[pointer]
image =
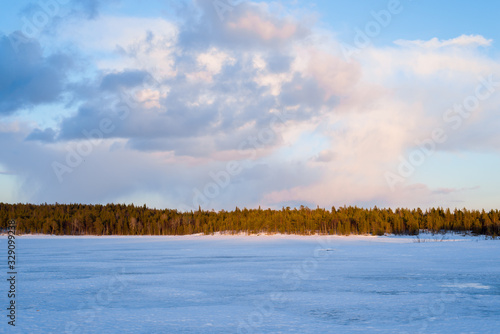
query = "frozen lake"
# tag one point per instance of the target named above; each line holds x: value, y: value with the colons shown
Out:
x: 238, y: 284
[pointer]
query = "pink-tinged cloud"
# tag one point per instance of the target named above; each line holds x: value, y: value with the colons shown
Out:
x: 254, y: 24
x: 334, y: 75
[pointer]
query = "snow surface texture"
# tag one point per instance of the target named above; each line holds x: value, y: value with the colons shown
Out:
x: 250, y: 284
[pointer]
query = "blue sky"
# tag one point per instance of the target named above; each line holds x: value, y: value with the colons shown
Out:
x: 419, y: 19
x: 220, y: 103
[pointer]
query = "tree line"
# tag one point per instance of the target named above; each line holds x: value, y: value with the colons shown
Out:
x: 121, y: 219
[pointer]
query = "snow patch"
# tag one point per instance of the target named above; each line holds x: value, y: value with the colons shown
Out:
x: 467, y: 286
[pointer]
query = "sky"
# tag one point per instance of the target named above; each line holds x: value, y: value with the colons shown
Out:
x: 229, y: 103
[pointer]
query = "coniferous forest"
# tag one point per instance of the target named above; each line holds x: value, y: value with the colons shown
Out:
x: 121, y: 219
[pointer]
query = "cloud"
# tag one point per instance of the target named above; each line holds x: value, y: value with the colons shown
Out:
x: 182, y: 99
x: 279, y: 63
x: 47, y: 135
x: 28, y: 77
x: 267, y: 30
x: 246, y: 25
x: 447, y: 191
x: 435, y: 43
x: 211, y: 93
x: 325, y: 156
x: 332, y: 73
x: 209, y: 105
x: 124, y: 79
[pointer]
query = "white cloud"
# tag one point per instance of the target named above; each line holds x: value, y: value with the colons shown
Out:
x: 435, y: 43
x: 214, y: 60
x: 210, y: 63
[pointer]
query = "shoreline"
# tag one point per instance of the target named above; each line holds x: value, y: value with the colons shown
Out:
x: 422, y: 237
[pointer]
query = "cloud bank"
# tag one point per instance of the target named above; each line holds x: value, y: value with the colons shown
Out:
x: 239, y: 107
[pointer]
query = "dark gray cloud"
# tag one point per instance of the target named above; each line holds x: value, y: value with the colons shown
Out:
x: 124, y: 79
x: 236, y: 100
x: 47, y: 135
x: 28, y: 77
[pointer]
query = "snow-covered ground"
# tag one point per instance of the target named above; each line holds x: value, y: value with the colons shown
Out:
x: 255, y: 284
